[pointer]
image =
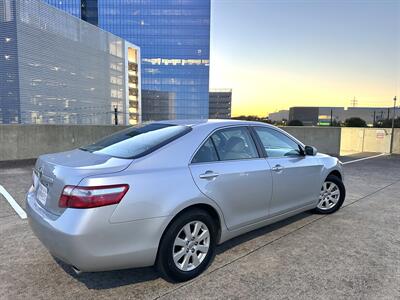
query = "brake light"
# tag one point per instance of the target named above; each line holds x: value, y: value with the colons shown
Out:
x: 94, y: 196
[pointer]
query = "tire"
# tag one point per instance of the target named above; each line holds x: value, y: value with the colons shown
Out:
x: 326, y: 203
x: 184, y: 268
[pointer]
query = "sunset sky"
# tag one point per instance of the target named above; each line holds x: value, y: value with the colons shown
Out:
x: 277, y: 54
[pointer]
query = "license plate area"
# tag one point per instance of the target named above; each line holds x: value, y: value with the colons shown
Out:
x: 41, y: 194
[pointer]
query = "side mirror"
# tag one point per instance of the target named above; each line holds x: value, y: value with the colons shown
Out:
x: 310, y: 150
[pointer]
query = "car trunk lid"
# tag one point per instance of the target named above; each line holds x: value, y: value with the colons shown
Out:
x: 55, y: 171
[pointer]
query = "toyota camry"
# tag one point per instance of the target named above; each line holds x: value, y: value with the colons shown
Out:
x: 167, y: 193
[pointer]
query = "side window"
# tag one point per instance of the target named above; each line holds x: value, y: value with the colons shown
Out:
x: 206, y: 153
x: 277, y: 144
x: 234, y: 143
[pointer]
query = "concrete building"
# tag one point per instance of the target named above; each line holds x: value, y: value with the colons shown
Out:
x: 313, y: 116
x: 174, y: 38
x: 58, y: 69
x: 220, y: 104
x: 279, y: 116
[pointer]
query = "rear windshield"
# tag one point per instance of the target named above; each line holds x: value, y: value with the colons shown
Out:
x: 138, y: 140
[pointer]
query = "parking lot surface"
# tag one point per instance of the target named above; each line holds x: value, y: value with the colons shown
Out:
x: 352, y: 254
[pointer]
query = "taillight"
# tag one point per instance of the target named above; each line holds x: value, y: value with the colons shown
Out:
x: 94, y: 196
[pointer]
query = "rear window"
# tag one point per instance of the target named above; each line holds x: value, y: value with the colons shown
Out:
x: 138, y: 140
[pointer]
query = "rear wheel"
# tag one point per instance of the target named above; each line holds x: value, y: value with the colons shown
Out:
x: 187, y: 246
x: 331, y: 196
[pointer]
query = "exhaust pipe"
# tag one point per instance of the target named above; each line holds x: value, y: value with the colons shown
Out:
x: 76, y: 270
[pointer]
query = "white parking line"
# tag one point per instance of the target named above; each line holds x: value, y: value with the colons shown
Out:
x: 364, y: 158
x: 18, y: 209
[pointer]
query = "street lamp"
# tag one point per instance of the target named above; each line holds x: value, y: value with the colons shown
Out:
x: 394, y: 116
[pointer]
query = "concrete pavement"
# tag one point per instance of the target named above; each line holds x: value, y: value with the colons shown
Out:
x: 352, y: 254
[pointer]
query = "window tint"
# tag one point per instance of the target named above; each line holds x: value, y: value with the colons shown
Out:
x: 206, y: 153
x: 137, y: 140
x: 277, y: 144
x: 234, y: 143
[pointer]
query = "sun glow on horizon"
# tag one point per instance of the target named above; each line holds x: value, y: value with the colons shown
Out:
x: 297, y: 63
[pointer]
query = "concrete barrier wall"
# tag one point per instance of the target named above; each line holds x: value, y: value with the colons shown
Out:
x: 396, y: 141
x: 356, y: 140
x: 377, y: 140
x: 351, y: 140
x: 325, y: 139
x: 30, y: 141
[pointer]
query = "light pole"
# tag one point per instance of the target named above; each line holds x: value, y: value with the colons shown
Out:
x: 116, y: 115
x: 394, y: 116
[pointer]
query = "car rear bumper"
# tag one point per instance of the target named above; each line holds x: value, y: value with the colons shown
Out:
x: 87, y: 240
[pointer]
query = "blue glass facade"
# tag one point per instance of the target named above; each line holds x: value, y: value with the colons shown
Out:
x: 174, y: 37
x: 71, y: 6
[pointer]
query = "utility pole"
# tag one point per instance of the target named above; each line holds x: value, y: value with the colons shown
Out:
x: 374, y: 122
x: 354, y: 102
x: 116, y: 115
x: 394, y: 116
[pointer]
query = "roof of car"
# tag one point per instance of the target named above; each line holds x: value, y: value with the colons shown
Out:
x: 202, y: 122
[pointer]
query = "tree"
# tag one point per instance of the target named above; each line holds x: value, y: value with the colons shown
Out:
x: 335, y: 123
x: 295, y: 123
x: 387, y: 123
x: 355, y: 122
x: 251, y: 118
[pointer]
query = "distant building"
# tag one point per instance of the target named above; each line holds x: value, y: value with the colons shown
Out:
x: 174, y: 38
x: 307, y: 115
x: 220, y: 104
x: 58, y: 69
x: 368, y: 113
x: 279, y: 116
x: 312, y: 116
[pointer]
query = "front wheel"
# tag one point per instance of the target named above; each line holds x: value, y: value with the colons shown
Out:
x: 188, y: 246
x: 332, y: 195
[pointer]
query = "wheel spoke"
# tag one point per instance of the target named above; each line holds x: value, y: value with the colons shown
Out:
x: 202, y: 248
x: 185, y: 262
x: 180, y: 242
x: 178, y: 255
x: 335, y: 193
x: 187, y: 231
x: 205, y: 234
x: 195, y: 260
x: 196, y: 230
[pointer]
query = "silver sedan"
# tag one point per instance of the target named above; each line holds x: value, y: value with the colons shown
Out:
x: 166, y: 193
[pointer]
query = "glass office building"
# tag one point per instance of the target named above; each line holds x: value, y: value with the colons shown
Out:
x: 174, y: 37
x: 58, y: 69
x: 71, y: 6
x: 220, y: 104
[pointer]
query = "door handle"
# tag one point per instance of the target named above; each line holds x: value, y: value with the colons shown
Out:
x: 208, y: 175
x: 277, y: 168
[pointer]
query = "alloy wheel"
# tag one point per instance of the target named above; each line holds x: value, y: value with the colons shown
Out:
x: 191, y: 246
x: 329, y: 195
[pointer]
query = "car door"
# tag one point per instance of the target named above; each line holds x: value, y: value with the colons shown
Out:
x: 296, y: 177
x: 228, y: 169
